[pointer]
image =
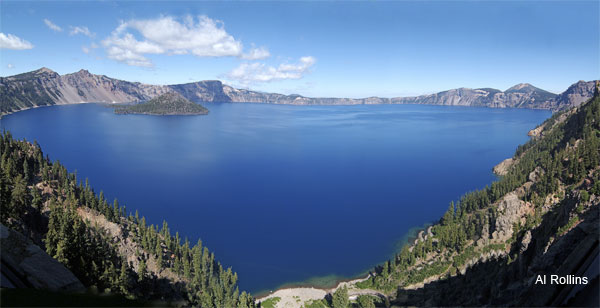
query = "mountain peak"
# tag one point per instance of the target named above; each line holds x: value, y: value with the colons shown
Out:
x: 521, y: 87
x: 82, y: 73
x: 45, y: 70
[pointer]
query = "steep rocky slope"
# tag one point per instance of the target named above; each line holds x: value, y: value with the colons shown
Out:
x: 576, y: 94
x: 203, y: 91
x: 491, y: 248
x: 107, y: 249
x: 44, y: 87
x: 519, y: 96
x: 24, y: 265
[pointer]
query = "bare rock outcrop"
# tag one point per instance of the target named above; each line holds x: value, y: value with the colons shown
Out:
x: 536, y: 131
x: 502, y: 168
x: 510, y: 211
x: 27, y: 265
x: 536, y: 174
x: 576, y: 94
x: 127, y: 247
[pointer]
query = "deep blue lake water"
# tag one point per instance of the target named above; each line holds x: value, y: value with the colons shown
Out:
x: 282, y: 193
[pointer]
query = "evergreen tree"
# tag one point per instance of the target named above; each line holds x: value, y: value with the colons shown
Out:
x: 449, y: 215
x: 187, y: 272
x: 365, y: 301
x: 5, y: 195
x: 159, y: 254
x: 124, y: 278
x: 340, y: 298
x: 142, y: 271
x: 19, y: 198
x: 26, y: 171
x: 177, y: 265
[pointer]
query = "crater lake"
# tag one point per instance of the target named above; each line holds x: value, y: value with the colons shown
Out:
x: 284, y: 194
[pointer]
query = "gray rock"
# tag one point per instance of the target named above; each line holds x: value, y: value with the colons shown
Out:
x: 536, y: 174
x: 420, y: 236
x: 525, y: 241
x: 32, y: 266
x: 502, y: 168
x: 510, y: 211
x: 575, y: 95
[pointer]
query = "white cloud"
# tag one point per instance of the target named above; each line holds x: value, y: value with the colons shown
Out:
x: 9, y: 41
x: 81, y: 30
x: 128, y: 56
x: 52, y: 25
x: 89, y: 49
x: 202, y: 37
x: 10, y: 66
x: 248, y: 73
x: 256, y: 54
x: 127, y: 49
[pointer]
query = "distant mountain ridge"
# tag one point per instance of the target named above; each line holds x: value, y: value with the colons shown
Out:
x: 45, y: 87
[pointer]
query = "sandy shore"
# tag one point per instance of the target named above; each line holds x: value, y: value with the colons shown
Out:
x: 297, y: 297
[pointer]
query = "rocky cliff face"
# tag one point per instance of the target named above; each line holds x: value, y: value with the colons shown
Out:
x: 26, y: 265
x: 540, y: 233
x: 576, y: 94
x: 87, y: 87
x: 203, y: 91
x: 248, y: 96
x: 520, y: 96
x: 45, y: 87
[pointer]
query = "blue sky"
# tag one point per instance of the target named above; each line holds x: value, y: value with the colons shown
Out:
x: 340, y: 49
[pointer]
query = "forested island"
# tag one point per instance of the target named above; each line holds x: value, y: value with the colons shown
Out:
x: 170, y: 103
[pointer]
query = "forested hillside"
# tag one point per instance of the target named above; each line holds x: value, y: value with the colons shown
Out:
x: 540, y: 218
x: 107, y: 248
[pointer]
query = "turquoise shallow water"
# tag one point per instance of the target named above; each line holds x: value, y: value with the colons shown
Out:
x: 282, y: 193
